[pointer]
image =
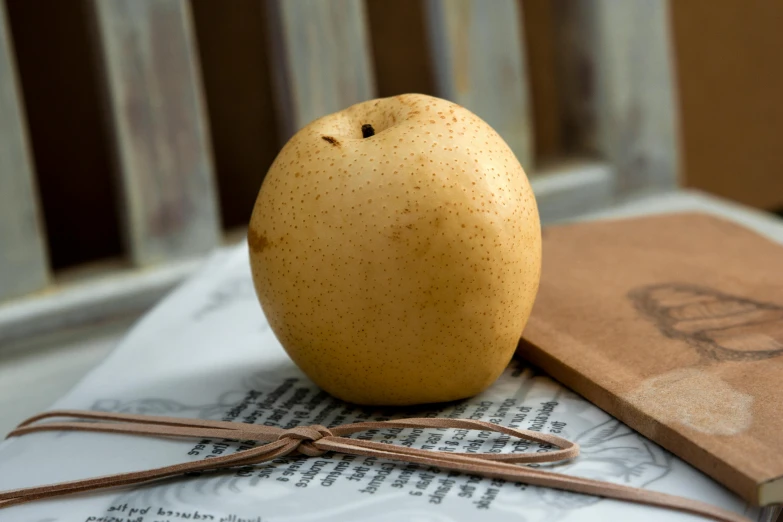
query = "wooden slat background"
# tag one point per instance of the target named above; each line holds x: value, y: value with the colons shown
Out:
x: 479, y: 63
x: 235, y: 62
x: 400, y: 45
x: 321, y: 53
x: 544, y: 83
x: 23, y: 264
x: 182, y: 105
x: 78, y: 195
x: 153, y: 85
x: 614, y: 61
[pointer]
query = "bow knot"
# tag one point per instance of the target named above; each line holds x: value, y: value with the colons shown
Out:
x: 305, y: 436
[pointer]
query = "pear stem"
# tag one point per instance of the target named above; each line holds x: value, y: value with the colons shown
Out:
x: 367, y: 131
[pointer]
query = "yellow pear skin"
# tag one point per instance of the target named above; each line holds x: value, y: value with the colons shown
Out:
x: 395, y: 248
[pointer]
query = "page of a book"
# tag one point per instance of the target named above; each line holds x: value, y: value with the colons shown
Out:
x: 207, y: 352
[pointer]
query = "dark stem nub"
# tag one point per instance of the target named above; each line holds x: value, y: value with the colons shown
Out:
x: 367, y: 131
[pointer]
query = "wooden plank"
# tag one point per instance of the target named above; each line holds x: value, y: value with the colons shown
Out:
x: 155, y: 100
x: 480, y: 64
x: 618, y: 88
x: 571, y: 187
x: 72, y: 308
x: 322, y: 56
x: 23, y: 262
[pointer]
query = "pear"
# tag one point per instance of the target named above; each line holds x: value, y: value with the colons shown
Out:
x: 395, y: 248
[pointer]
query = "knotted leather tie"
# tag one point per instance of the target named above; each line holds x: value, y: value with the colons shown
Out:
x: 316, y: 440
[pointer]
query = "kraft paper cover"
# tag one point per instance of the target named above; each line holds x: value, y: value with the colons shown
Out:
x: 673, y: 324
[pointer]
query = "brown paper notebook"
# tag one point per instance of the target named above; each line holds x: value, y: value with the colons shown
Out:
x: 674, y: 325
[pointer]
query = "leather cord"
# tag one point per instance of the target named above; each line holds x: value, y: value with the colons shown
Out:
x: 317, y: 440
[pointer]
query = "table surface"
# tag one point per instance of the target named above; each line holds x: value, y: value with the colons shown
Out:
x: 32, y: 380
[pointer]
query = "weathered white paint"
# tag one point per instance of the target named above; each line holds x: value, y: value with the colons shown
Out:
x: 321, y: 57
x: 571, y: 188
x: 23, y: 257
x: 479, y: 60
x: 76, y: 308
x: 618, y: 88
x: 157, y: 114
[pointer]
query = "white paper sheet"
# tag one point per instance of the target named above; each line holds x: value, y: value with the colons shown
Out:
x: 207, y: 352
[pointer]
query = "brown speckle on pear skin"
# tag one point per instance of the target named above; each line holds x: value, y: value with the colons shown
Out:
x: 256, y: 241
x: 331, y: 140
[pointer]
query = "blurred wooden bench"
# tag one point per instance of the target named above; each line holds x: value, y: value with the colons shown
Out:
x: 616, y: 100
